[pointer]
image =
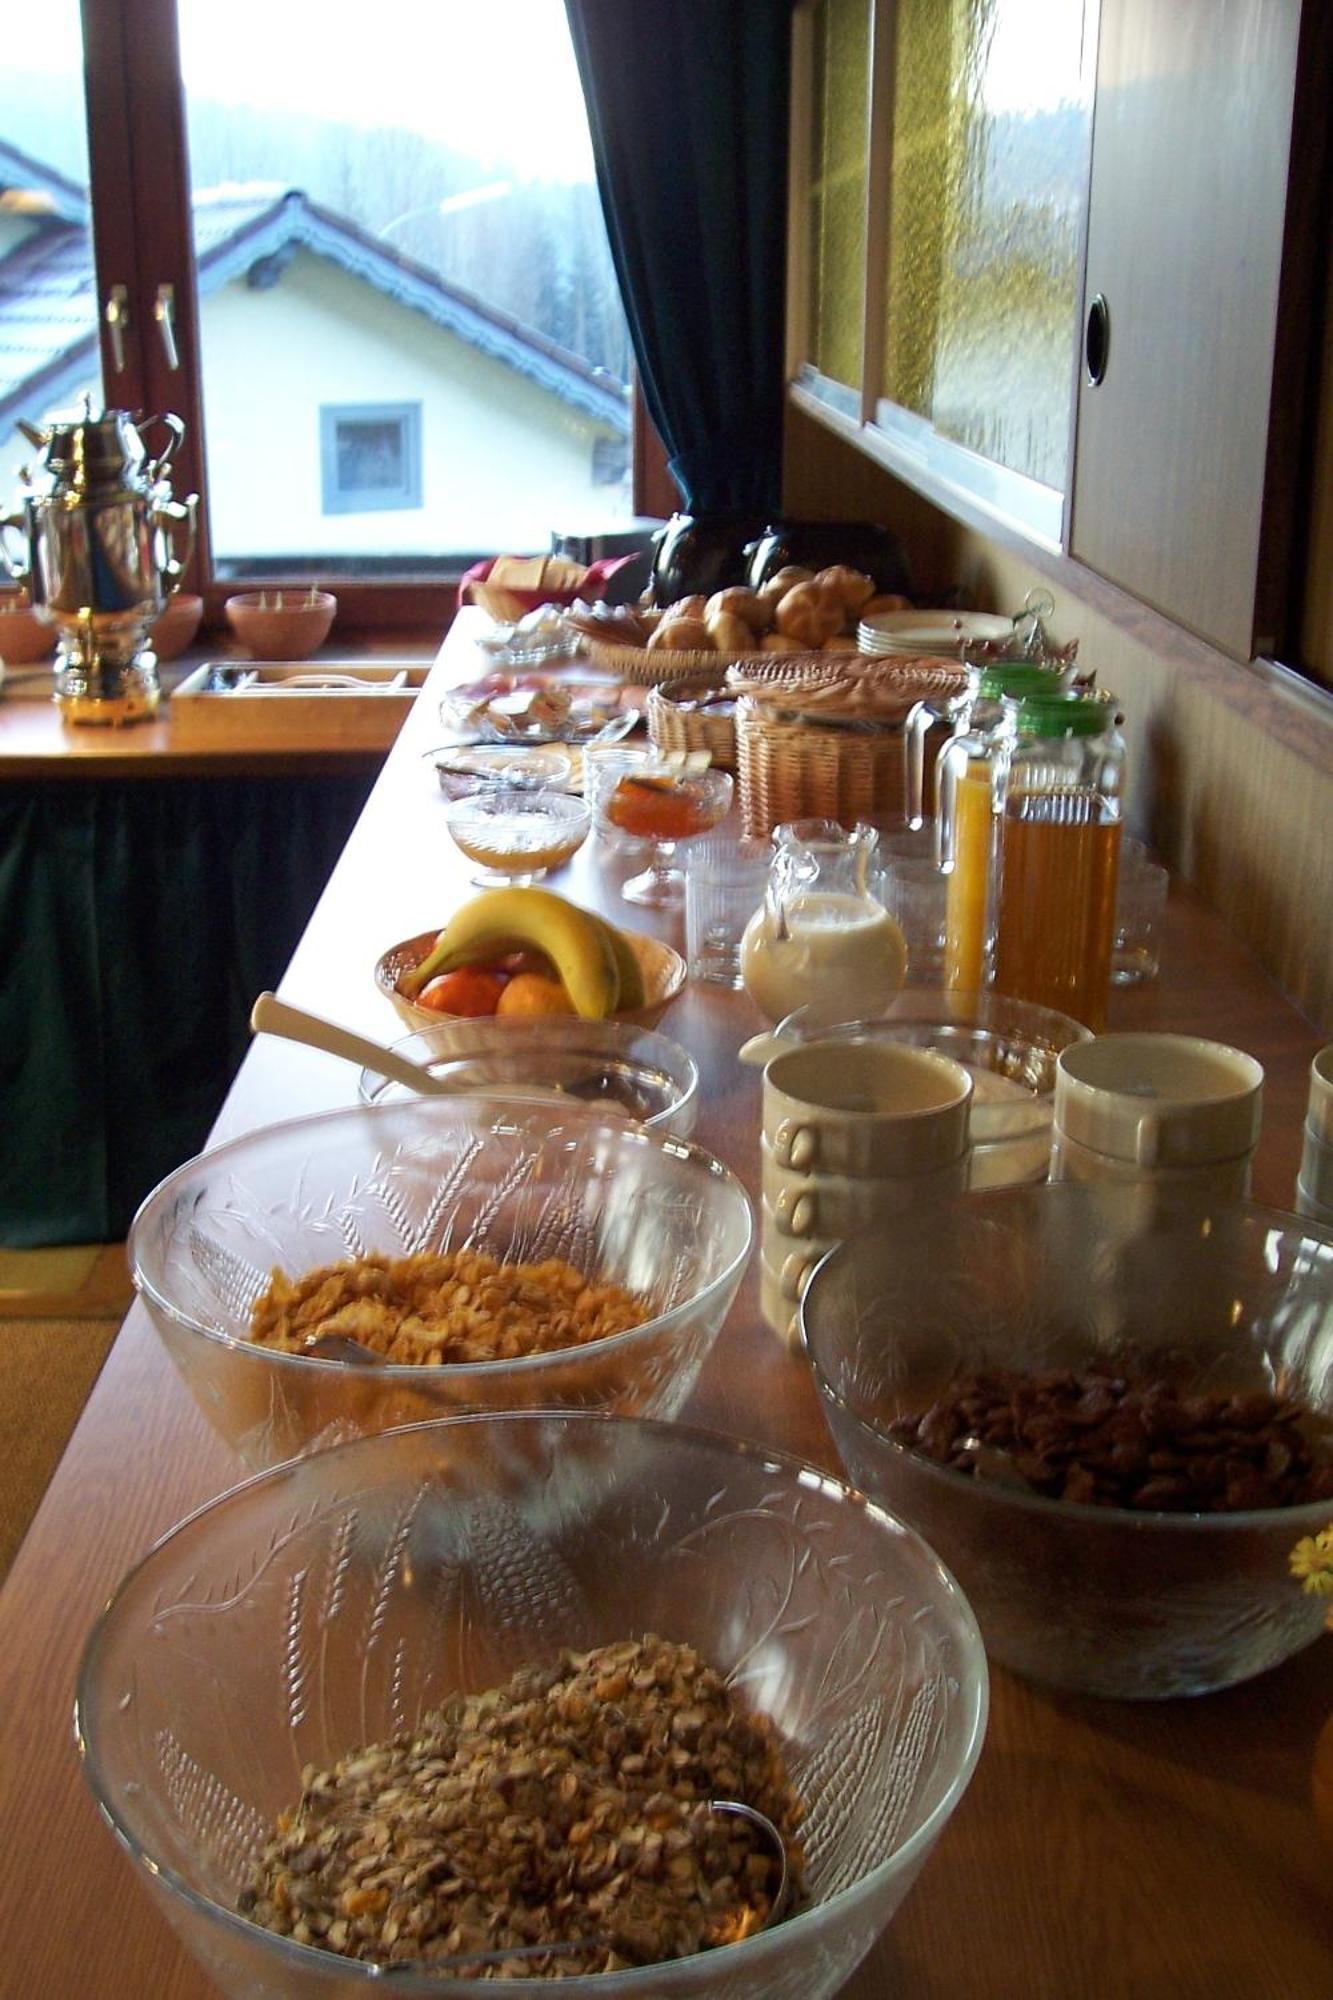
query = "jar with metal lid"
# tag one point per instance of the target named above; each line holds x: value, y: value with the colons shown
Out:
x: 963, y: 824
x: 1057, y: 776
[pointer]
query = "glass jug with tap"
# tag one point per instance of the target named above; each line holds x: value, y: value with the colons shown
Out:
x: 821, y: 932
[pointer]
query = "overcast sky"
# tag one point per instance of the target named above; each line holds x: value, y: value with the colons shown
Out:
x: 494, y: 78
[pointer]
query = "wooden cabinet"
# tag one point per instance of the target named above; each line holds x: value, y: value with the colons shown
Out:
x: 1190, y: 157
x: 1164, y: 142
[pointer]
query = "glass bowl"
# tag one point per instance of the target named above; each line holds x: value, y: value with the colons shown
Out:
x: 517, y: 834
x: 1108, y: 1600
x: 1009, y: 1048
x: 614, y: 1064
x: 332, y: 1602
x: 520, y: 1179
x: 537, y: 708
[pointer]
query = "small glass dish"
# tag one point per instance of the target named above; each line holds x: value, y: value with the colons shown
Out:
x: 615, y: 1064
x: 536, y: 708
x: 463, y: 769
x: 517, y: 836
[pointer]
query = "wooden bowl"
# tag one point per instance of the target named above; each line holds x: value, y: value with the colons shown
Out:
x: 663, y: 977
x: 174, y: 630
x: 282, y: 624
x: 25, y: 636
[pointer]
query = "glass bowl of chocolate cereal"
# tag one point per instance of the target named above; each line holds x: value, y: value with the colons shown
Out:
x: 1114, y: 1422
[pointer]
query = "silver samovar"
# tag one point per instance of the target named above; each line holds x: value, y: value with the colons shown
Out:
x: 101, y: 556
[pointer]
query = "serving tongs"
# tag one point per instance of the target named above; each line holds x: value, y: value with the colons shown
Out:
x: 584, y: 1947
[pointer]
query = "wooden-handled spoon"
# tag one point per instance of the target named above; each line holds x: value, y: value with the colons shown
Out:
x: 271, y: 1016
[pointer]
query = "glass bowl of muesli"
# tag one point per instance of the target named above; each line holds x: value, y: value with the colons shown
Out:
x: 379, y: 1265
x: 1113, y: 1419
x: 472, y: 1704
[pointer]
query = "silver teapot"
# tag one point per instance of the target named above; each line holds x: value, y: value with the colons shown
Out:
x: 106, y: 546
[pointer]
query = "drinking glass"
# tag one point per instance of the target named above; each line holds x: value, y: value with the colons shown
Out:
x: 663, y: 806
x: 725, y: 881
x: 517, y: 836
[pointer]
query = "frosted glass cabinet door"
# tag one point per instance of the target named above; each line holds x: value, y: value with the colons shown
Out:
x: 1189, y: 175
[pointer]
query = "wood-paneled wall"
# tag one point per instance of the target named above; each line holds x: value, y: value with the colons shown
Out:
x: 1230, y: 767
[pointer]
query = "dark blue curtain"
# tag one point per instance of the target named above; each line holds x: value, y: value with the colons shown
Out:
x: 688, y: 105
x: 139, y: 918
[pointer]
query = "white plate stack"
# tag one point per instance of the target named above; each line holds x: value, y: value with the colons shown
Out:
x: 911, y: 635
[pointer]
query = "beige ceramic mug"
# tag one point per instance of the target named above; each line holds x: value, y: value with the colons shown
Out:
x: 1209, y: 1181
x: 1319, y: 1109
x: 1158, y: 1101
x: 865, y: 1108
x: 832, y: 1206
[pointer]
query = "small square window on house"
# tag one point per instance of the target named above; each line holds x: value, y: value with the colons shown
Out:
x: 370, y: 456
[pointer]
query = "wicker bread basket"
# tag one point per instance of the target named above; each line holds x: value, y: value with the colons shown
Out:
x: 828, y: 742
x: 677, y: 722
x: 638, y: 664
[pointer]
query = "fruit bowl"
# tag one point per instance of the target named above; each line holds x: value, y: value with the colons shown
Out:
x: 336, y: 1601
x: 519, y: 1179
x: 1129, y: 1601
x: 663, y: 970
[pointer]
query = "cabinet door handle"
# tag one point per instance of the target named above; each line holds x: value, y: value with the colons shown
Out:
x: 1097, y: 341
x: 164, y: 312
x: 116, y: 313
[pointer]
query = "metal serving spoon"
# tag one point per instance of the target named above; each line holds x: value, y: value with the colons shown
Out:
x: 271, y: 1016
x: 581, y: 1947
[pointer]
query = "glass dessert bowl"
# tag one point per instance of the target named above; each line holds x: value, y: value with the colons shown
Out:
x: 517, y: 834
x: 663, y: 805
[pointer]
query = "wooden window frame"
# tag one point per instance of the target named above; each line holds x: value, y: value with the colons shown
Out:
x: 142, y: 239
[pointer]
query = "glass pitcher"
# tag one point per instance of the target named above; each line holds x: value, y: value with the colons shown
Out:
x: 820, y: 933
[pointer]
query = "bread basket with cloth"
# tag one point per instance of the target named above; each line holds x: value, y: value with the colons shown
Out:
x: 825, y: 738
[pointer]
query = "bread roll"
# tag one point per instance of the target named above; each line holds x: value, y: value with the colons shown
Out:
x: 890, y: 601
x: 687, y: 607
x: 773, y: 592
x: 851, y: 587
x: 681, y: 635
x: 808, y: 614
x: 839, y: 642
x: 731, y: 634
x: 778, y: 642
x: 739, y: 602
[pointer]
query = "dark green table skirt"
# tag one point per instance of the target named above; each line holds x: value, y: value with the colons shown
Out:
x: 137, y: 923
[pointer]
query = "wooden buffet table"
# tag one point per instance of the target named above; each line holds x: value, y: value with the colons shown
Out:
x: 1102, y: 1850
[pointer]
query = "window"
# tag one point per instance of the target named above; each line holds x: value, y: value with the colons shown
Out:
x: 370, y: 456
x: 948, y: 144
x: 387, y: 315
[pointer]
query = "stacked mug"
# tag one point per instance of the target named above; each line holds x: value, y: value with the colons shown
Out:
x: 1314, y: 1188
x: 854, y: 1134
x: 1174, y: 1115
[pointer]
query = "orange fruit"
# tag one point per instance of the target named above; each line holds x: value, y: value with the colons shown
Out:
x: 471, y: 990
x: 532, y: 993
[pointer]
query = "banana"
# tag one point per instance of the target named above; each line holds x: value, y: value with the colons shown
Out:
x: 504, y: 920
x: 632, y: 991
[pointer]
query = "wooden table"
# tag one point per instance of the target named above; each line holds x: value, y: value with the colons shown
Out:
x: 1102, y: 1850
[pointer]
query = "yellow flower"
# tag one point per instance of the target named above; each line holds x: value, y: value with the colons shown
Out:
x: 1312, y: 1561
